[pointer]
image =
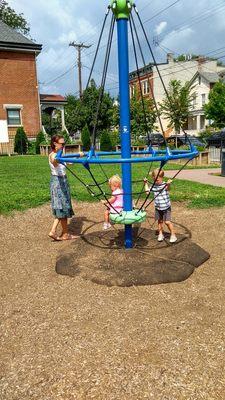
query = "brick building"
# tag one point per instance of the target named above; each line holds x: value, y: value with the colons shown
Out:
x: 146, y: 79
x: 19, y: 97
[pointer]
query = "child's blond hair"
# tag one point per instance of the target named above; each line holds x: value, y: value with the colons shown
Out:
x: 115, y: 180
x: 156, y: 173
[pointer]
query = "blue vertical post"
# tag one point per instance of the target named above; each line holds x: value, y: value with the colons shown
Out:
x: 122, y: 9
x: 122, y: 32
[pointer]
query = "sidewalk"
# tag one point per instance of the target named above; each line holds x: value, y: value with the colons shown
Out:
x: 199, y: 175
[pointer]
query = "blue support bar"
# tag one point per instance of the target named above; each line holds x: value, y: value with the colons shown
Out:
x: 122, y: 33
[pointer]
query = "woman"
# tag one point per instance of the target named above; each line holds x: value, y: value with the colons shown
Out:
x: 60, y: 192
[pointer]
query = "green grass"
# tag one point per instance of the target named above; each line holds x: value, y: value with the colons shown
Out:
x: 24, y: 183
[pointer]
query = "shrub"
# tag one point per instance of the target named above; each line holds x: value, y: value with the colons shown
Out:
x: 105, y: 141
x: 21, y: 142
x: 40, y: 139
x: 31, y: 148
x: 115, y: 139
x: 85, y: 138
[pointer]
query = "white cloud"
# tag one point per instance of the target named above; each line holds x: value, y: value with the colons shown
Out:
x: 55, y: 23
x: 160, y: 27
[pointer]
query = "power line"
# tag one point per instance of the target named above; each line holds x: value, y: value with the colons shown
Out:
x: 58, y: 77
x: 171, y: 73
x: 193, y: 20
x: 160, y: 12
x: 145, y: 22
x: 101, y: 47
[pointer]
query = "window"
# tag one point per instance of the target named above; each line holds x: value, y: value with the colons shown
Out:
x: 203, y: 99
x: 132, y: 91
x: 145, y: 87
x: 13, y: 116
x: 194, y: 101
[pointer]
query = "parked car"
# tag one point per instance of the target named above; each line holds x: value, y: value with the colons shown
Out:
x: 156, y: 138
x: 217, y: 139
x: 182, y: 140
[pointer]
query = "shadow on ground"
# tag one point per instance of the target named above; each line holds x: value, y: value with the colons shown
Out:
x: 100, y: 257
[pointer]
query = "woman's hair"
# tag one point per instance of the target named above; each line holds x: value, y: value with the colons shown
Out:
x: 156, y: 173
x: 55, y: 139
x: 115, y: 180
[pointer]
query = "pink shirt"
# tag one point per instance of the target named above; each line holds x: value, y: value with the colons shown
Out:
x: 118, y: 203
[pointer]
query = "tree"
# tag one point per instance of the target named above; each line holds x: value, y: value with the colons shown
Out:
x: 105, y: 141
x: 177, y: 106
x: 138, y: 122
x: 52, y: 124
x: 79, y: 112
x: 21, y: 142
x: 12, y: 19
x: 85, y: 138
x: 89, y: 104
x: 73, y: 114
x: 215, y: 109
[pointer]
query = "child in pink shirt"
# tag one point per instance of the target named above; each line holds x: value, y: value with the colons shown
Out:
x: 116, y: 200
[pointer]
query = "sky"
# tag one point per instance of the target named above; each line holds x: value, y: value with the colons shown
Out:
x: 178, y: 26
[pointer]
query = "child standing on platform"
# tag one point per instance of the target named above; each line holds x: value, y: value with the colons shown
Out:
x: 162, y: 203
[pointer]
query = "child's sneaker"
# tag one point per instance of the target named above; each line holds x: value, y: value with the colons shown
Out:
x: 106, y: 225
x: 160, y: 237
x: 173, y: 238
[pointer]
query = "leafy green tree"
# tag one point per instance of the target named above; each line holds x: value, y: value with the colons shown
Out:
x: 105, y: 141
x: 215, y: 108
x: 177, y: 107
x: 12, y: 19
x: 39, y: 139
x: 115, y: 139
x: 79, y: 112
x: 73, y: 114
x: 21, y: 142
x: 52, y: 125
x: 137, y: 114
x: 85, y: 138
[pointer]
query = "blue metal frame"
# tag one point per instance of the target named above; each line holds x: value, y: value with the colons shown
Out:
x: 123, y: 62
x: 166, y: 155
x: 127, y: 156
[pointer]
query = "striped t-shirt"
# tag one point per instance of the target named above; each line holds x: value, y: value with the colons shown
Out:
x: 161, y: 196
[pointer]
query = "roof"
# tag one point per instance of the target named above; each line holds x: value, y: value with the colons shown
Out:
x: 211, y: 77
x: 52, y: 98
x: 10, y: 39
x: 146, y: 70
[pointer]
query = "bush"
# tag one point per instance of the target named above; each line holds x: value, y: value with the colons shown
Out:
x: 39, y: 139
x: 21, y: 142
x: 105, y: 141
x: 115, y: 139
x: 31, y: 148
x: 85, y: 138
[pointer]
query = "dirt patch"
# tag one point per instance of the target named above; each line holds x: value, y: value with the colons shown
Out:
x: 100, y: 257
x: 69, y: 339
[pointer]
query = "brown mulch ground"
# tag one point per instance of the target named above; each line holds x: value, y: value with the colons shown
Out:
x: 69, y: 338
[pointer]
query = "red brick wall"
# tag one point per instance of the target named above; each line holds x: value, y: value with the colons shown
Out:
x: 18, y: 85
x: 135, y: 82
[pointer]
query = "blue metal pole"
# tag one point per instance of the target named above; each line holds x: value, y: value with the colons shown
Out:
x: 122, y: 33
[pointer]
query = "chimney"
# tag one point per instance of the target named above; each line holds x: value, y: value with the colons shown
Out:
x: 170, y: 58
x: 201, y: 60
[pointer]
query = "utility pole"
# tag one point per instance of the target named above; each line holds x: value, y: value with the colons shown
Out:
x: 79, y: 47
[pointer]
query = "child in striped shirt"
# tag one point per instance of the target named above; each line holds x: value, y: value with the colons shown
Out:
x: 162, y: 203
